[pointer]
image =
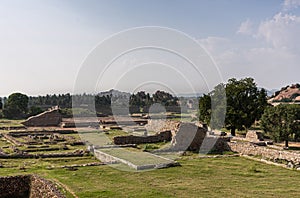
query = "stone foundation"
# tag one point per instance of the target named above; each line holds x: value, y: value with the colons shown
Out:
x: 30, y: 186
x: 160, y: 137
x: 246, y: 148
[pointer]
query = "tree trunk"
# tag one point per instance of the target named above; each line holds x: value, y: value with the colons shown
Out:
x: 286, y: 144
x: 232, y: 130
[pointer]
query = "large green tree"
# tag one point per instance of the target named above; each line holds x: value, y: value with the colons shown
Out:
x: 244, y: 104
x: 16, y: 106
x: 282, y: 122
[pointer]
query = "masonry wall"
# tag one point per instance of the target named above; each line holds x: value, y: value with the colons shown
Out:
x: 43, y: 188
x: 15, y: 186
x: 246, y: 148
x: 30, y: 186
x: 160, y: 137
x: 47, y: 118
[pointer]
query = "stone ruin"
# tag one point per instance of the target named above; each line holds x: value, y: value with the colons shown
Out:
x: 183, y: 136
x: 254, y: 136
x: 265, y: 152
x: 30, y: 186
x: 52, y: 117
x: 159, y: 137
x: 158, y: 125
x: 191, y: 137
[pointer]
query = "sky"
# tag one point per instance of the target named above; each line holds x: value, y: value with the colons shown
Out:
x: 44, y: 44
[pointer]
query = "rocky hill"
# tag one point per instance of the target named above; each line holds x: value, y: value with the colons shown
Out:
x: 290, y: 93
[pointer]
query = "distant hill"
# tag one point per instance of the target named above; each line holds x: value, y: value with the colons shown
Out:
x: 115, y: 93
x: 290, y: 93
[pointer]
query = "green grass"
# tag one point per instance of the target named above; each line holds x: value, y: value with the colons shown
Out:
x: 10, y: 123
x: 205, y: 177
x: 226, y: 177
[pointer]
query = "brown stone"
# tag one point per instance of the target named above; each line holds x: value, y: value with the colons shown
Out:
x: 30, y: 186
x: 191, y: 137
x: 254, y: 136
x: 51, y: 117
x: 160, y: 137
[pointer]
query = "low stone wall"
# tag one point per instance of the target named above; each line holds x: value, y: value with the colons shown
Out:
x: 40, y: 187
x: 30, y: 186
x: 48, y: 118
x: 42, y: 155
x: 79, y: 124
x: 160, y: 137
x: 16, y: 186
x: 246, y: 148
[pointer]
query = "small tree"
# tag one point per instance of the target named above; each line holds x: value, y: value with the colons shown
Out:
x: 16, y: 106
x: 212, y: 107
x: 281, y: 122
x: 205, y: 108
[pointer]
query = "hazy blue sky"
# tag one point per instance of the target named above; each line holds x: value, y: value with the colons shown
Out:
x: 43, y: 43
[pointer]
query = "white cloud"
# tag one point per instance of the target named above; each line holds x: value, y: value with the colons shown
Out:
x: 246, y: 28
x: 282, y: 31
x: 270, y: 53
x: 290, y: 4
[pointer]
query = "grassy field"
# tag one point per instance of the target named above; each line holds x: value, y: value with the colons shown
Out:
x: 10, y: 123
x: 209, y: 177
x: 196, y: 177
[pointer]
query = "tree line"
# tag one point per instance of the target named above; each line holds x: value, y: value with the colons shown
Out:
x: 19, y: 105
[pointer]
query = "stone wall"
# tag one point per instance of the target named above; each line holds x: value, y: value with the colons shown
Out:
x: 51, y: 117
x: 246, y: 148
x: 30, y: 186
x: 160, y: 137
x: 16, y: 186
x: 40, y: 187
x: 189, y: 136
x: 194, y: 138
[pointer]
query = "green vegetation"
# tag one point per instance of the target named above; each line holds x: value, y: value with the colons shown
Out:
x: 10, y: 123
x: 229, y: 177
x: 244, y: 104
x: 16, y: 106
x: 141, y: 102
x: 281, y: 122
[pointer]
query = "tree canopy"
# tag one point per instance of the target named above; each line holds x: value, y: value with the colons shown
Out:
x: 141, y: 101
x: 282, y: 122
x: 16, y: 106
x: 244, y: 104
